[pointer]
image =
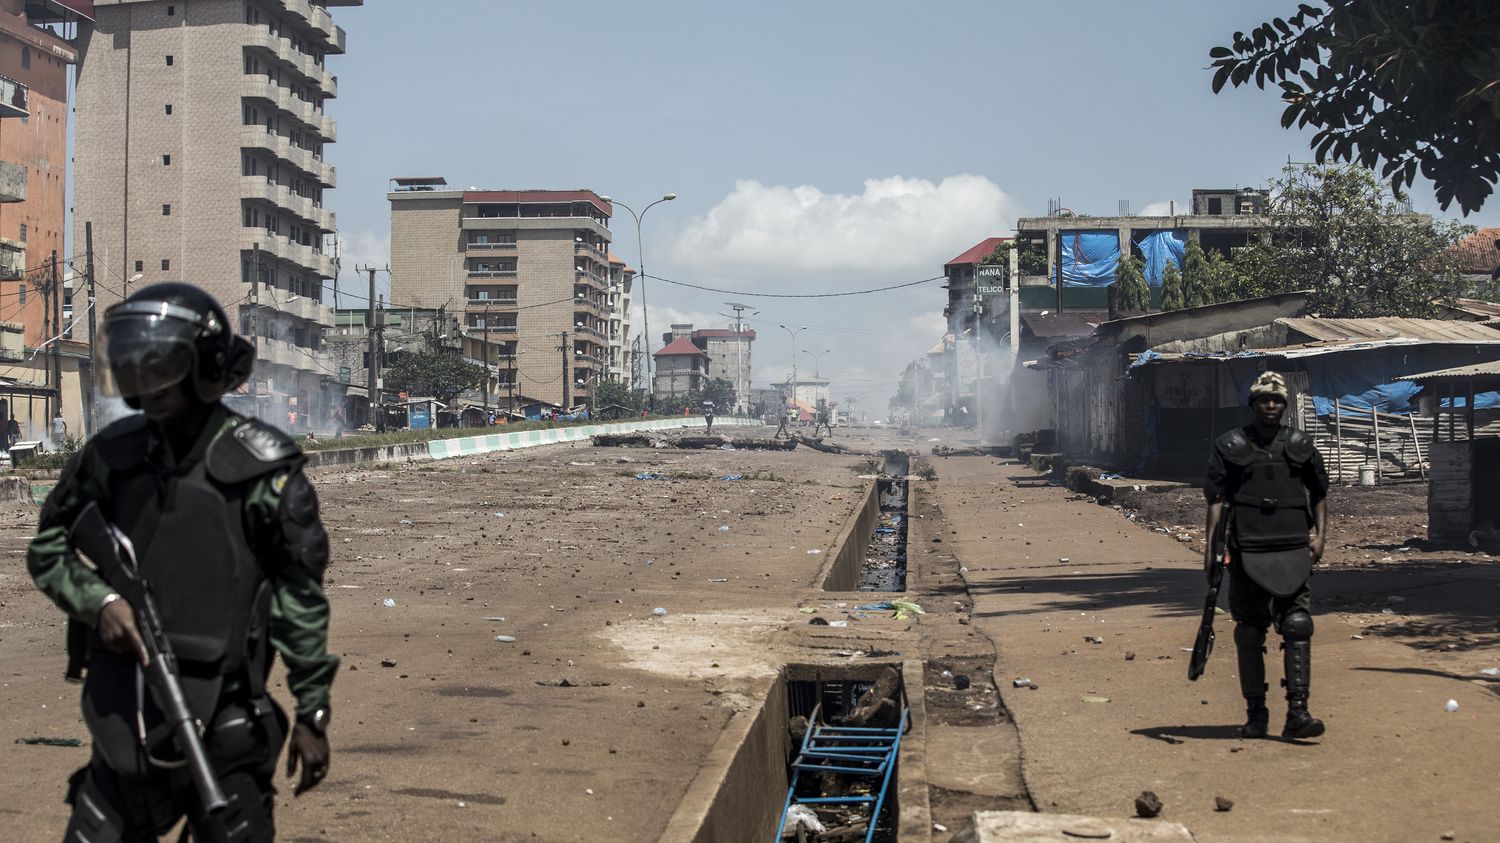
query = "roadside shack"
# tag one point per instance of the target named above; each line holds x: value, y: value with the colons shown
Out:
x: 1463, y: 500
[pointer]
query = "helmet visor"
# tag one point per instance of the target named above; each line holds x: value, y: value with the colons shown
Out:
x: 141, y: 353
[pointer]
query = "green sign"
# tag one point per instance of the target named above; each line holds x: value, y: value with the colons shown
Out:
x: 992, y: 280
x: 345, y: 373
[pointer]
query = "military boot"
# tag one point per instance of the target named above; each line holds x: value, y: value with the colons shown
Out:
x: 1250, y: 648
x: 1297, y: 657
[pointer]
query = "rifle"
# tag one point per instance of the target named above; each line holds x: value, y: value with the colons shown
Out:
x: 1203, y: 646
x: 112, y: 553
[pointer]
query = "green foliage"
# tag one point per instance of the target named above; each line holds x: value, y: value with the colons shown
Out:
x: 1030, y: 259
x: 607, y: 393
x: 57, y: 458
x: 1171, y: 288
x: 1195, y: 275
x: 1336, y: 233
x: 1134, y: 295
x: 721, y: 392
x: 673, y: 405
x: 1219, y: 281
x: 436, y: 374
x: 1392, y: 82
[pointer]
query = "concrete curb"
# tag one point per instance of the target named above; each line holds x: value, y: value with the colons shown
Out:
x: 444, y: 448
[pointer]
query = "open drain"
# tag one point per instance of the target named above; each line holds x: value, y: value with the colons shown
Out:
x: 842, y: 777
x: 884, y: 567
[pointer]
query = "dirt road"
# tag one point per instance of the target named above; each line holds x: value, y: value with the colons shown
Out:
x: 1092, y: 607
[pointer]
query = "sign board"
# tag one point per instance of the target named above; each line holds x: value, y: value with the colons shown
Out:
x: 345, y: 373
x: 992, y: 280
x: 420, y: 416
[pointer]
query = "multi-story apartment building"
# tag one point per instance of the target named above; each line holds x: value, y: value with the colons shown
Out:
x: 681, y: 368
x: 622, y: 363
x: 529, y: 270
x: 200, y: 138
x: 728, y: 353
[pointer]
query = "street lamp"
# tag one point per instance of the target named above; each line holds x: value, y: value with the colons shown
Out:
x: 817, y: 357
x: 793, y: 335
x: 640, y: 251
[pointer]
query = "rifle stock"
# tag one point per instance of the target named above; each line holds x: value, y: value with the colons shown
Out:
x: 111, y: 552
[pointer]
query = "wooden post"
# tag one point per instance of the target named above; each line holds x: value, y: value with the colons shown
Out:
x: 1452, y: 409
x: 1338, y: 438
x: 1417, y: 444
x: 1468, y: 408
x: 1375, y: 422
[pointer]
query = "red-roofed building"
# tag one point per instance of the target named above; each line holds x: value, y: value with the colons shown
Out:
x: 1479, y: 254
x: 681, y: 367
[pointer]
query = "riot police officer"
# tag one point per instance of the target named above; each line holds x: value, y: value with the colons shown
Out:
x: 225, y: 528
x: 1266, y: 487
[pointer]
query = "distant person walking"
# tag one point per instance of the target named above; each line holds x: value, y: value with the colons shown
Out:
x: 59, y: 430
x: 12, y: 432
x: 708, y: 416
x: 821, y: 421
x: 291, y: 421
x: 339, y: 421
x: 784, y: 421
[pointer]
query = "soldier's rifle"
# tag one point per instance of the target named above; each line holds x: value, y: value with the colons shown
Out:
x: 1203, y: 646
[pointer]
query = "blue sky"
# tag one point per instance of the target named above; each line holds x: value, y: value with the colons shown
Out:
x: 814, y: 146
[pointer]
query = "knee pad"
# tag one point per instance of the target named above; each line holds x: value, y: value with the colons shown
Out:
x: 1250, y: 635
x: 1297, y: 625
x: 96, y: 818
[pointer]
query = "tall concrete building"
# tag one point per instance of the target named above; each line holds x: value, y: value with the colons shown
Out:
x: 528, y: 269
x: 200, y: 139
x: 621, y: 367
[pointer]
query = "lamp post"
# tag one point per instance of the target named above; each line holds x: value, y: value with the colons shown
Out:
x: 793, y: 335
x: 640, y: 252
x: 816, y: 358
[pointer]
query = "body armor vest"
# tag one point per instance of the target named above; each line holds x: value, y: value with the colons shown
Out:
x: 1270, y: 502
x: 187, y: 527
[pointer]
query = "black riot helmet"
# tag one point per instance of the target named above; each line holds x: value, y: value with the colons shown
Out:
x: 166, y: 334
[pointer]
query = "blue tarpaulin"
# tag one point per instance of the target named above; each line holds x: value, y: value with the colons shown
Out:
x: 1158, y: 249
x: 1089, y: 258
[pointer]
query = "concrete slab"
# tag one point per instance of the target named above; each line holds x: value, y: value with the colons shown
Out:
x: 1025, y: 827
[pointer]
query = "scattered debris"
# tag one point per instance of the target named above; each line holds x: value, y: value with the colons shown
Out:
x: 389, y: 603
x: 1491, y: 671
x: 972, y: 451
x: 1147, y: 805
x: 1089, y: 698
x: 1450, y: 706
x: 1021, y: 683
x: 817, y: 622
x: 659, y: 611
x: 387, y: 662
x: 505, y: 639
x: 44, y: 741
x: 568, y: 683
x: 800, y: 822
x: 1221, y: 804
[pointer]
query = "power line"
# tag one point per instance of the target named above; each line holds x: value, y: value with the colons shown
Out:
x: 799, y: 295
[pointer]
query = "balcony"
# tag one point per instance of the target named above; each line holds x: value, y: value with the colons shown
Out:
x: 592, y: 251
x: 12, y: 182
x: 281, y: 49
x: 490, y: 248
x: 480, y: 330
x: 491, y: 303
x: 15, y: 98
x: 254, y: 86
x: 259, y: 137
x: 257, y: 187
x: 282, y: 247
x: 320, y: 21
x: 491, y: 273
x: 587, y: 306
x: 12, y: 259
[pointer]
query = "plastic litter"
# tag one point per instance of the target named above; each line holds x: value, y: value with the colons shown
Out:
x: 963, y: 569
x: 389, y: 603
x: 650, y: 475
x: 45, y: 741
x: 505, y: 639
x: 1491, y: 671
x: 801, y: 817
x: 724, y: 528
x: 659, y: 612
x: 733, y: 477
x: 814, y: 552
x: 494, y: 618
x: 405, y: 522
x: 1093, y: 699
x: 1109, y: 476
x: 718, y: 579
x: 807, y: 610
x: 838, y: 623
x: 1450, y: 706
x: 1021, y: 683
x: 499, y: 515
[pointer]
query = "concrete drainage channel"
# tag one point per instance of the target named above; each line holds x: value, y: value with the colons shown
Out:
x: 742, y: 792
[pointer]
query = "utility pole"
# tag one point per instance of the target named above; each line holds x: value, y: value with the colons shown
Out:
x: 375, y: 329
x: 57, y: 295
x: 91, y: 420
x: 484, y: 357
x: 740, y: 387
x: 567, y: 373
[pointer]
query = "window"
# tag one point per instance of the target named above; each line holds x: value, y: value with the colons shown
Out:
x: 23, y: 232
x: 169, y: 108
x: 1215, y: 206
x: 166, y: 210
x: 171, y: 10
x: 25, y: 57
x: 166, y: 160
x: 140, y: 266
x: 23, y: 292
x: 169, y: 61
x: 165, y: 264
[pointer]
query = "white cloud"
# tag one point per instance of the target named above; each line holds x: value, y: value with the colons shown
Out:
x: 897, y: 229
x: 1157, y: 209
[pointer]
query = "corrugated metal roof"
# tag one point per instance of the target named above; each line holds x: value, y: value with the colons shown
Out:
x: 1476, y: 370
x: 1065, y: 324
x: 977, y: 252
x: 1390, y: 327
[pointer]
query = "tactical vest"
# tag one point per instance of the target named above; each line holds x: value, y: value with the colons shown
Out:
x: 1266, y: 494
x: 188, y: 530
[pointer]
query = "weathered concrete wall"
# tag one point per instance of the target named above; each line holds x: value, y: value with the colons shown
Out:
x: 842, y: 572
x: 15, y: 489
x: 373, y: 453
x: 1450, y: 491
